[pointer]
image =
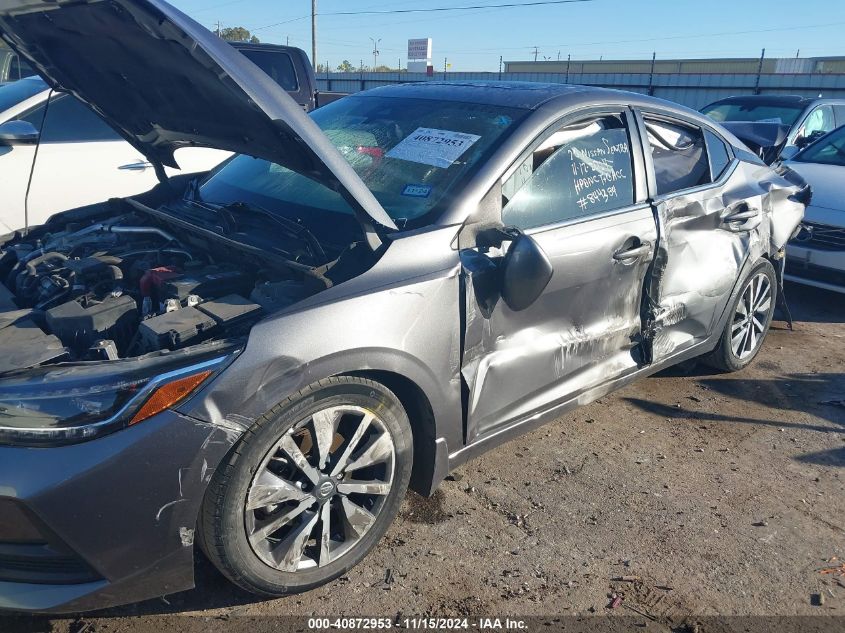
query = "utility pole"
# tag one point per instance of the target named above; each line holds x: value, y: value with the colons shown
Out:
x: 500, y: 67
x: 375, y: 52
x: 314, y: 33
x: 536, y: 52
x: 217, y: 32
x: 651, y: 75
x: 287, y: 40
x: 445, y: 66
x: 759, y: 72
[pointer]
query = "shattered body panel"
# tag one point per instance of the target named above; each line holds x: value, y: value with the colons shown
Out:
x: 701, y: 243
x: 579, y: 333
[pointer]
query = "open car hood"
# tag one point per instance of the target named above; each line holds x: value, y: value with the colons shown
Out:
x: 165, y: 82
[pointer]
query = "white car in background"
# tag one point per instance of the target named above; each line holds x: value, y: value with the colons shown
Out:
x: 816, y: 256
x: 75, y: 159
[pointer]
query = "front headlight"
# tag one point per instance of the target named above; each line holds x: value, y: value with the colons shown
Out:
x: 73, y: 403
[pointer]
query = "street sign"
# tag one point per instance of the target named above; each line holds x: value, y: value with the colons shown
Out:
x: 419, y: 48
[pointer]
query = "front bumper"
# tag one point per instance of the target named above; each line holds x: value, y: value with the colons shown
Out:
x: 821, y: 268
x: 112, y: 520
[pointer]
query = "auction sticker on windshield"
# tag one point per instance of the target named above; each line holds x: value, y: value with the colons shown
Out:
x: 438, y: 148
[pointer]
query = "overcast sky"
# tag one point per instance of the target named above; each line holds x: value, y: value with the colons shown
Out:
x: 474, y: 40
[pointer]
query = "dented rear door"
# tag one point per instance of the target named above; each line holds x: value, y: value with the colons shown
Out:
x: 579, y: 192
x: 709, y: 213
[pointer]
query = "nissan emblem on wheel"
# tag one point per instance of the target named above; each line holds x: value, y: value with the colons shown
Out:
x: 264, y: 359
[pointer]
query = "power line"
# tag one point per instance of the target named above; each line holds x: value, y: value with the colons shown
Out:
x: 654, y: 39
x: 509, y: 5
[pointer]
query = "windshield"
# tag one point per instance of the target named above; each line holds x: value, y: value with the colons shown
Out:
x: 413, y: 154
x: 829, y: 150
x: 14, y: 93
x: 757, y: 112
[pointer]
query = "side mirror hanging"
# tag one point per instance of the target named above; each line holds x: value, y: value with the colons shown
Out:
x: 526, y: 271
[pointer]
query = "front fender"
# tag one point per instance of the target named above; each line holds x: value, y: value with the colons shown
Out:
x: 409, y: 327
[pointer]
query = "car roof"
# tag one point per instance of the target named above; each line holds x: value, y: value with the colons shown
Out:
x: 519, y: 94
x: 796, y: 100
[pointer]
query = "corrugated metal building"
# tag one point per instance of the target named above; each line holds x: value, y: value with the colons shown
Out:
x: 728, y: 65
x: 690, y: 82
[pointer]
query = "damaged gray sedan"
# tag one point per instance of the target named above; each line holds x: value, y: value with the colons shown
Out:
x: 260, y: 361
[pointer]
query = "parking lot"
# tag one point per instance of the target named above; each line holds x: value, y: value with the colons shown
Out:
x: 710, y: 494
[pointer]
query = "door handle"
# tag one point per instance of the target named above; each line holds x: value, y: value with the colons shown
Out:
x: 139, y: 166
x: 741, y: 214
x: 742, y: 218
x: 637, y: 252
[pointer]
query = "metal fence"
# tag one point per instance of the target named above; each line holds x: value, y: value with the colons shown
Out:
x: 692, y: 90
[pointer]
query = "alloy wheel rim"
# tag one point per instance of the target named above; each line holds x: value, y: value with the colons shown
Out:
x: 751, y: 316
x: 320, y: 488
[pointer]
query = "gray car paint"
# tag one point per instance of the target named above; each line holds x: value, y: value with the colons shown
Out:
x: 154, y: 477
x: 392, y: 314
x: 413, y: 322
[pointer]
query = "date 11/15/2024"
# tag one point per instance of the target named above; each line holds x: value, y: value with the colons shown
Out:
x: 418, y: 624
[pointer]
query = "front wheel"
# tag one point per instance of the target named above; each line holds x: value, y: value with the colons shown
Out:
x: 311, y: 489
x: 748, y: 325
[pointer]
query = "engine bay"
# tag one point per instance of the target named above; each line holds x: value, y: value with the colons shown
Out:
x: 113, y: 286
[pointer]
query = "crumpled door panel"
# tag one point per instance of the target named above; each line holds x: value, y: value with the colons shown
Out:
x: 707, y: 238
x: 583, y: 331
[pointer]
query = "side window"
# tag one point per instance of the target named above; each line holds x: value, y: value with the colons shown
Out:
x: 19, y: 69
x: 580, y: 170
x: 70, y: 121
x: 819, y: 121
x: 718, y: 154
x: 679, y: 154
x: 839, y: 115
x: 278, y: 65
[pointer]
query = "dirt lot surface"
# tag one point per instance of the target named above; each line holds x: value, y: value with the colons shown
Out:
x: 711, y: 494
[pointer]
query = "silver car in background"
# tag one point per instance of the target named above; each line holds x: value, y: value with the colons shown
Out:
x: 816, y: 256
x: 778, y: 126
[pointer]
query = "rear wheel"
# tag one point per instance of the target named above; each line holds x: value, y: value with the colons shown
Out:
x: 748, y: 325
x: 311, y: 489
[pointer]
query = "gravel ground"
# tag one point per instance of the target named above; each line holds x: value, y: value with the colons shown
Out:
x: 710, y: 494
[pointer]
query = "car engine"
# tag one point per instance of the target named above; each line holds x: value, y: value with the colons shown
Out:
x: 127, y: 286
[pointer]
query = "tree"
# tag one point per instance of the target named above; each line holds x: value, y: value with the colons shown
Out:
x: 238, y: 34
x: 346, y: 67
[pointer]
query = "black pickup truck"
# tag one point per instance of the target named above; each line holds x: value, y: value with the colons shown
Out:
x: 287, y: 65
x: 291, y: 69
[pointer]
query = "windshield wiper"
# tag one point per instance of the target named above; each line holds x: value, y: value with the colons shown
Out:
x: 294, y: 229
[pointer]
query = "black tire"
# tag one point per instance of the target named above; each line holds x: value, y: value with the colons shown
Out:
x: 224, y: 515
x: 724, y: 357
